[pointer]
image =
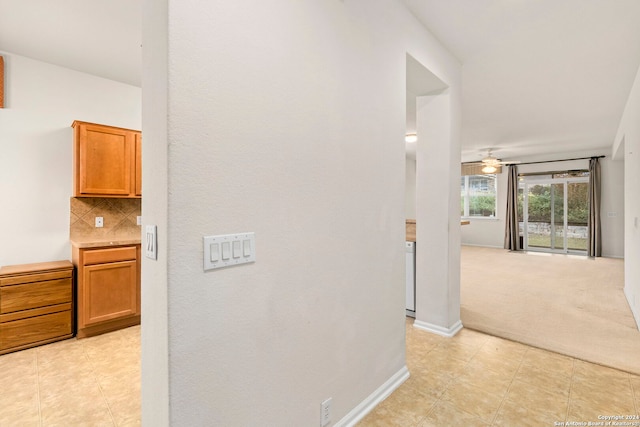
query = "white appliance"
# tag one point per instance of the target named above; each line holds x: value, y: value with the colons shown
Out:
x: 410, y: 257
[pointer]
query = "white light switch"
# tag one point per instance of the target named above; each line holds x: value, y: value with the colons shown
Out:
x: 236, y: 248
x: 99, y: 221
x: 151, y: 242
x: 215, y: 252
x: 228, y: 250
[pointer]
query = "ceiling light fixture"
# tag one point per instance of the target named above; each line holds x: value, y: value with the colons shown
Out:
x: 411, y: 137
x: 489, y: 169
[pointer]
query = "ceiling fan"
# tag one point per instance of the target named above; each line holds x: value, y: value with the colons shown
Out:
x: 490, y: 164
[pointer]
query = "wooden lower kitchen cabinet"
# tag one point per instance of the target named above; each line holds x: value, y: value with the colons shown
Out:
x: 36, y: 304
x: 108, y: 288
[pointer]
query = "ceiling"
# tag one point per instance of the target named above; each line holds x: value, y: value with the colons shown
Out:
x: 538, y: 76
x: 99, y: 37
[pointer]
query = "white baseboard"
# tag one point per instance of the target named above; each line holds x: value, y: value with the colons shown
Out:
x: 634, y: 310
x: 439, y: 330
x: 481, y: 246
x: 381, y: 393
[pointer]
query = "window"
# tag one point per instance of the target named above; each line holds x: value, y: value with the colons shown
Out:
x: 478, y: 196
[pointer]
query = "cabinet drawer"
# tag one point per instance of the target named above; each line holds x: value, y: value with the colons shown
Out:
x: 33, y: 295
x: 101, y: 256
x: 36, y: 277
x: 34, y: 329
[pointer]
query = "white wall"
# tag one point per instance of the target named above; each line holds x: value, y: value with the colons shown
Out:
x: 154, y: 333
x: 290, y: 125
x: 410, y: 189
x: 612, y: 210
x: 36, y: 143
x: 627, y: 146
x: 490, y: 232
x: 437, y: 213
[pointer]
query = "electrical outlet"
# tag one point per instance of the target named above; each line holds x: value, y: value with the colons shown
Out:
x: 99, y: 222
x: 325, y: 412
x: 139, y: 220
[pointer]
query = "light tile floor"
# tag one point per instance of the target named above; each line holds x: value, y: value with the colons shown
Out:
x: 475, y: 379
x: 472, y: 379
x: 89, y: 382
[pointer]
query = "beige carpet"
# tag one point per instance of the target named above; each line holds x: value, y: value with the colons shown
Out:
x: 567, y: 304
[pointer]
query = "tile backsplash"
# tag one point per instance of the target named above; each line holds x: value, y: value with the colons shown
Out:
x: 119, y: 216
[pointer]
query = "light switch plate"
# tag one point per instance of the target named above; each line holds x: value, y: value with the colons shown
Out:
x: 99, y: 222
x: 228, y: 250
x: 151, y: 242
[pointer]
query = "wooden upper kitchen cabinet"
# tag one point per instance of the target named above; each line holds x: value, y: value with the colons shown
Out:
x: 107, y: 161
x: 138, y: 164
x: 108, y: 291
x: 36, y: 304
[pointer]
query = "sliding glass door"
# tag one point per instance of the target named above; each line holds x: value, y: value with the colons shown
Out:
x: 554, y: 214
x: 577, y: 215
x: 545, y: 217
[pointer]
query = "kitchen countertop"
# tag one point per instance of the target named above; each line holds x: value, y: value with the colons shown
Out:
x: 410, y: 228
x: 462, y: 221
x: 100, y: 243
